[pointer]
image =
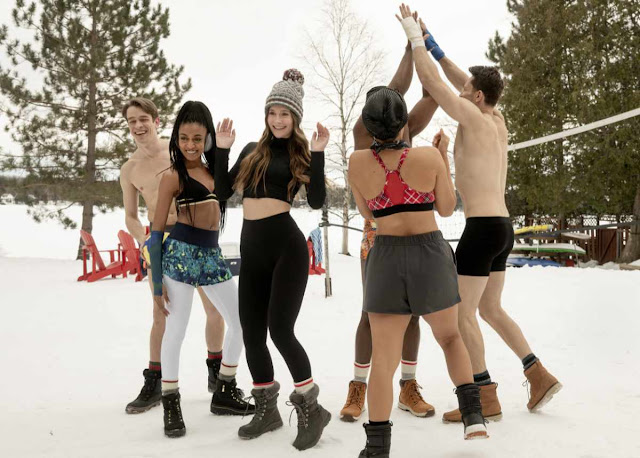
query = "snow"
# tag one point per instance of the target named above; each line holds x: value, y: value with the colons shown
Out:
x: 74, y: 353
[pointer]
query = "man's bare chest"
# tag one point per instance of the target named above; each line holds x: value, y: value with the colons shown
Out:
x: 146, y: 177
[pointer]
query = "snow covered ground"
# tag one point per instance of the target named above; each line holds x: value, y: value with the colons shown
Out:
x: 73, y: 354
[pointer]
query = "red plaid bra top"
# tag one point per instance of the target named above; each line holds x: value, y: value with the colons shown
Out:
x: 397, y: 196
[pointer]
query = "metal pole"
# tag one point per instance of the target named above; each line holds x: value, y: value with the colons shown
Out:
x: 325, y: 232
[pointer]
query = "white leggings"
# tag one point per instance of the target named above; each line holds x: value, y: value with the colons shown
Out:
x: 224, y: 297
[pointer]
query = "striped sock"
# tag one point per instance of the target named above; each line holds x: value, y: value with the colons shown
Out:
x: 483, y: 378
x: 361, y: 372
x: 262, y: 386
x: 408, y: 369
x: 155, y: 366
x: 528, y: 361
x: 169, y: 386
x: 227, y: 372
x: 214, y: 354
x: 304, y: 386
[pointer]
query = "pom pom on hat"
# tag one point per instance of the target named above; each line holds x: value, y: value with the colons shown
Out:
x: 288, y: 93
x: 293, y: 74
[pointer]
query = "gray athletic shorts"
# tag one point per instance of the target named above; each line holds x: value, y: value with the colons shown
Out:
x: 412, y: 275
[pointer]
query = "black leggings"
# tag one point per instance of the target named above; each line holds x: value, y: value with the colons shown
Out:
x: 273, y: 276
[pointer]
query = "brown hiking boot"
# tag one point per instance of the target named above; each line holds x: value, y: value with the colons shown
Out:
x: 542, y: 384
x: 491, y: 409
x: 354, y: 406
x: 411, y: 400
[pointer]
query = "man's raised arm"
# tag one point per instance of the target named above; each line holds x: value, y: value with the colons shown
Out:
x: 458, y: 108
x: 454, y: 74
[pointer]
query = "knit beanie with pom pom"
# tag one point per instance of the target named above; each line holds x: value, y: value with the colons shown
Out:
x: 288, y: 93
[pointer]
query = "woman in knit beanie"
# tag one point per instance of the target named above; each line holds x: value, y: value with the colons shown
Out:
x: 275, y: 258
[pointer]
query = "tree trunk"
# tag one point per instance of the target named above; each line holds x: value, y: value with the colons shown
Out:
x: 347, y: 189
x: 345, y: 222
x: 87, y: 223
x: 90, y: 166
x: 631, y: 250
x: 327, y: 266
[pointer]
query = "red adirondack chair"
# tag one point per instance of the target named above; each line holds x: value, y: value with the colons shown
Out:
x: 98, y: 268
x: 130, y: 255
x: 315, y: 268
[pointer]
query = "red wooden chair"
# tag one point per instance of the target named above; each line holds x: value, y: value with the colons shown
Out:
x: 314, y: 267
x: 98, y: 268
x: 130, y: 255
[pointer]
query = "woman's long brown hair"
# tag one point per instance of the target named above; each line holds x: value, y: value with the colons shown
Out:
x: 254, y: 167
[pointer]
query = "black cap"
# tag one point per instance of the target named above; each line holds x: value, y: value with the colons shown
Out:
x: 384, y: 113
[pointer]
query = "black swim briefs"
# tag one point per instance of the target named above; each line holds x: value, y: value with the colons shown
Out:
x: 484, y: 246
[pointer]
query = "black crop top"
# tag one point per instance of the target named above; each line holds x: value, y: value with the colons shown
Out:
x: 277, y: 176
x: 195, y: 192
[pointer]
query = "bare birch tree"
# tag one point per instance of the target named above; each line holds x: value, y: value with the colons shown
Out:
x: 344, y: 63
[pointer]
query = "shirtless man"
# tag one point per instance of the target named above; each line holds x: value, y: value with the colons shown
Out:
x: 141, y: 175
x: 410, y: 398
x: 480, y: 155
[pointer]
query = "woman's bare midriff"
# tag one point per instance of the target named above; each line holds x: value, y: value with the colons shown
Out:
x: 205, y: 215
x: 407, y: 223
x: 265, y: 207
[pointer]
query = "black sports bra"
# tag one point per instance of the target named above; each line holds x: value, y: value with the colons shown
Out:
x: 194, y: 193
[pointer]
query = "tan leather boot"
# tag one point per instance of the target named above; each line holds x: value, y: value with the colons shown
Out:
x: 354, y: 406
x: 491, y: 409
x: 412, y: 401
x: 542, y: 385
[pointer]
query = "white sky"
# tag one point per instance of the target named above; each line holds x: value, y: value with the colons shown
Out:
x: 235, y: 51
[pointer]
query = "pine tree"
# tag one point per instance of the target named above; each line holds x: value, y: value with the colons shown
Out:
x: 569, y: 63
x: 86, y: 58
x: 538, y: 100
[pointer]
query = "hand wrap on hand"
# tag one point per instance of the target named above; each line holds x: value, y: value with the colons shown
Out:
x: 413, y: 32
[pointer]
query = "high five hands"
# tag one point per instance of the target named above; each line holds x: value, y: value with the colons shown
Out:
x: 417, y: 32
x: 411, y: 27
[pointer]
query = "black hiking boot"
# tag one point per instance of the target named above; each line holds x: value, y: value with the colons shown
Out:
x: 228, y: 400
x: 214, y: 369
x: 173, y: 422
x: 267, y: 417
x: 312, y: 418
x: 378, y: 441
x: 150, y: 395
x: 471, y: 410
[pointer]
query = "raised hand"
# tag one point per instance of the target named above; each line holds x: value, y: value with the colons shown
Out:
x: 415, y: 16
x: 320, y: 138
x: 225, y: 134
x: 410, y: 26
x: 405, y: 12
x: 430, y: 42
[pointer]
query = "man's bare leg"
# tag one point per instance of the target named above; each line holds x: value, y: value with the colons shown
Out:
x: 492, y: 312
x: 214, y: 335
x: 157, y: 328
x: 151, y: 393
x: 214, y: 328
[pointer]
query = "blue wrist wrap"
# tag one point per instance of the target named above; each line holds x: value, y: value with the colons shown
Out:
x: 433, y: 47
x: 155, y: 253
